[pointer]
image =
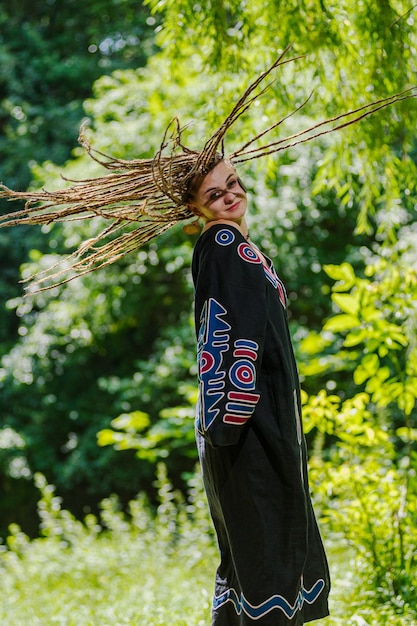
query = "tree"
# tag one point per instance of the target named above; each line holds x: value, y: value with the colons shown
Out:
x: 51, y: 54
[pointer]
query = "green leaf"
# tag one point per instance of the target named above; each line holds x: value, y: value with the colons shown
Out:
x: 340, y: 323
x: 343, y: 273
x: 368, y: 368
x: 314, y: 343
x: 107, y: 437
x: 407, y: 434
x: 407, y: 402
x: 355, y: 337
x: 347, y: 303
x: 135, y: 421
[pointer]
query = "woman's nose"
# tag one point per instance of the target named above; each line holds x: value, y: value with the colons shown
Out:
x: 229, y: 196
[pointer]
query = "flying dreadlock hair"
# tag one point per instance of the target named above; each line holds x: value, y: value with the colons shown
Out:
x: 142, y: 198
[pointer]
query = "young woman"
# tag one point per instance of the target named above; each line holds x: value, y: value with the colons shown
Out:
x: 273, y: 569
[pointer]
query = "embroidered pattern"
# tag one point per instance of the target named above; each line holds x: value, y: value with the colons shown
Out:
x: 213, y: 341
x: 274, y: 602
x: 271, y: 275
x: 248, y: 254
x: 242, y: 407
x: 224, y: 237
x: 242, y: 375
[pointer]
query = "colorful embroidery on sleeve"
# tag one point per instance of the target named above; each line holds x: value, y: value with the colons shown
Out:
x: 242, y: 375
x: 213, y: 340
x: 224, y: 237
x: 248, y: 254
x: 240, y: 382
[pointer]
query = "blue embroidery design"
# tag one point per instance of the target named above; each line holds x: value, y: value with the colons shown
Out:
x: 271, y: 275
x: 274, y: 602
x: 224, y: 237
x: 213, y: 341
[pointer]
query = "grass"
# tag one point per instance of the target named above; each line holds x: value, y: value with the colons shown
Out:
x: 105, y: 583
x: 148, y: 571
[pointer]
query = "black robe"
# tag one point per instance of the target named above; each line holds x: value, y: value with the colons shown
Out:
x: 273, y: 569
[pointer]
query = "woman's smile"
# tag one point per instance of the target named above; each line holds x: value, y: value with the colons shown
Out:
x: 221, y: 195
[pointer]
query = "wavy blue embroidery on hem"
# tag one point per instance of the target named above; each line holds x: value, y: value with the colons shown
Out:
x: 274, y: 602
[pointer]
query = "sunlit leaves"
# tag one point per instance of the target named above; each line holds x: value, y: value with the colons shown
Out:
x: 348, y: 303
x: 367, y: 483
x: 319, y: 411
x: 379, y: 315
x: 341, y: 322
x: 149, y: 565
x: 344, y: 274
x: 153, y: 441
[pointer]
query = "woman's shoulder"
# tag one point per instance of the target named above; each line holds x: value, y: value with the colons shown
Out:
x: 221, y: 233
x: 223, y: 250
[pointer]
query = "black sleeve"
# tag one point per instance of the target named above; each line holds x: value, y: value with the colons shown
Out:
x: 230, y: 310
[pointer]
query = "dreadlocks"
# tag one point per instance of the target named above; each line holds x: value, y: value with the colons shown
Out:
x: 142, y: 198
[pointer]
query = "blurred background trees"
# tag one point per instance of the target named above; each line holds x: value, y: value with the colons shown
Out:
x: 51, y: 53
x: 109, y: 358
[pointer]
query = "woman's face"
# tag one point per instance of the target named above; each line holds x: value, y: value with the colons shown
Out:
x: 220, y: 195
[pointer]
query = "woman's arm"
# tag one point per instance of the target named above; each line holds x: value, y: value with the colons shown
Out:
x: 230, y: 308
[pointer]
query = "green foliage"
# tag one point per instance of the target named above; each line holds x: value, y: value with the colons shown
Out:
x: 379, y: 316
x: 227, y: 29
x: 53, y: 53
x: 367, y: 478
x: 173, y: 433
x: 100, y: 350
x: 149, y: 566
x: 369, y: 497
x: 368, y: 165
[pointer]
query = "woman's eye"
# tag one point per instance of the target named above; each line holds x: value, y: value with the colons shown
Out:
x: 215, y: 195
x: 232, y: 183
